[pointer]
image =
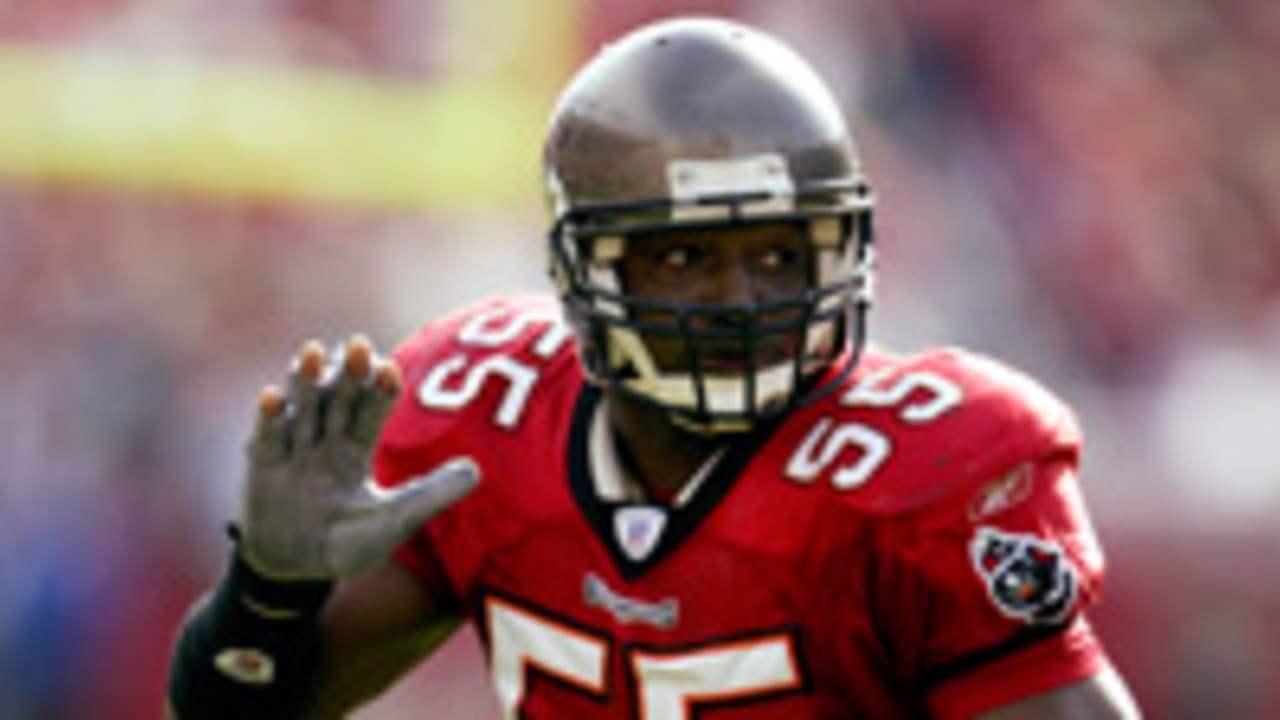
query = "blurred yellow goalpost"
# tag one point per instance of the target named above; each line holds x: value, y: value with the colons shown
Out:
x: 190, y: 126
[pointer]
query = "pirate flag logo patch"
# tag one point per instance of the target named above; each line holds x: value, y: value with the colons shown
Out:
x: 1028, y: 578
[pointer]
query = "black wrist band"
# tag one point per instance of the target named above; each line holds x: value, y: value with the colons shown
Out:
x: 250, y: 648
x: 270, y: 598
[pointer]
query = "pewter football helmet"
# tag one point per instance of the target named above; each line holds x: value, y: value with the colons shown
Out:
x: 703, y: 123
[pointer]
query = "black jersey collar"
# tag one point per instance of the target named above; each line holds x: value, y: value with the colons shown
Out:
x: 681, y: 520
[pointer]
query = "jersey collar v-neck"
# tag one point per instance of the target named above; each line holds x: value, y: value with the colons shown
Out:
x: 637, y: 533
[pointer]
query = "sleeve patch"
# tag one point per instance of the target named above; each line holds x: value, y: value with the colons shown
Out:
x: 1027, y: 578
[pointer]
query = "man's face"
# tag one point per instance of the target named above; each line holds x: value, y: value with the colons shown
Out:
x: 736, y: 266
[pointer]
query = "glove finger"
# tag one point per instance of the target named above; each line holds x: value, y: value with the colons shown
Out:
x: 375, y: 402
x: 378, y: 520
x: 425, y: 496
x: 351, y: 369
x: 271, y: 425
x: 305, y: 394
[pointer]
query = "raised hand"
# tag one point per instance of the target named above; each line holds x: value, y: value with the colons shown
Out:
x: 310, y: 509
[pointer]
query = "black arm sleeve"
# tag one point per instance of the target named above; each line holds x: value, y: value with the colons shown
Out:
x: 248, y: 649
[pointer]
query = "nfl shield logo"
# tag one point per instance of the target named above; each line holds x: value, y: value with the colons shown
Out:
x: 637, y: 529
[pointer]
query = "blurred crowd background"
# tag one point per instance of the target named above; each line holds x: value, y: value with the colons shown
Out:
x: 1088, y: 189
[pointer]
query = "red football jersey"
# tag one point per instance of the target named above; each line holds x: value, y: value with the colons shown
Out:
x: 914, y: 545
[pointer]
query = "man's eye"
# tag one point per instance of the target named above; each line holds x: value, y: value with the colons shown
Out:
x: 779, y: 258
x: 676, y: 258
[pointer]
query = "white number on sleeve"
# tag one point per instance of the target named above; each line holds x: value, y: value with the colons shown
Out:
x: 497, y: 326
x: 828, y: 441
x: 823, y: 445
x: 871, y: 392
x: 457, y: 380
x: 435, y: 393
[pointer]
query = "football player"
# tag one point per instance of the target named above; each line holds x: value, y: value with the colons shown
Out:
x: 702, y: 493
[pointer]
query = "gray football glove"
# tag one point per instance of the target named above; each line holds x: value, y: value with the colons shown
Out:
x: 310, y: 510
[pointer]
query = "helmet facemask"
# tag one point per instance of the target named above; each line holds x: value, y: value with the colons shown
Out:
x: 785, y: 346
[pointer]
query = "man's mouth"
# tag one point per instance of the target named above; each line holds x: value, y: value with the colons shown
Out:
x: 735, y: 363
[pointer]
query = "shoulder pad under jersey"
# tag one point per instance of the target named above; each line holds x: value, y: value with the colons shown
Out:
x: 473, y: 375
x: 906, y: 431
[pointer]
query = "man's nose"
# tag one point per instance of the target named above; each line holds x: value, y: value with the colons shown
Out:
x: 733, y: 283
